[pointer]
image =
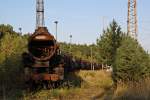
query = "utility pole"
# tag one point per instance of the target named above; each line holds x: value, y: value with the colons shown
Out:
x: 56, y: 22
x: 20, y: 30
x: 91, y: 58
x: 39, y: 13
x: 132, y: 26
x: 70, y: 43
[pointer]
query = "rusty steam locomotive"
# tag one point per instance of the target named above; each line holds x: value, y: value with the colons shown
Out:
x: 43, y: 63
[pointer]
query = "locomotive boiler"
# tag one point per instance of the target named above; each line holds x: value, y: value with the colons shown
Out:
x: 43, y: 63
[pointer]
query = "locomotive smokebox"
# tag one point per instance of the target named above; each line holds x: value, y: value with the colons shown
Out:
x: 42, y: 45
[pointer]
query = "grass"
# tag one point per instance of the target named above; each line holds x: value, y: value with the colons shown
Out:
x: 85, y: 86
x: 133, y: 90
x: 90, y: 85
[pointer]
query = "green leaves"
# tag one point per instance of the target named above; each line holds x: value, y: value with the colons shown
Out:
x: 124, y: 54
x: 81, y: 51
x: 12, y: 45
x: 131, y: 61
x: 109, y: 42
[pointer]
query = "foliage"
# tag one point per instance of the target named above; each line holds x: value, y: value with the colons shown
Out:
x: 109, y: 42
x: 80, y: 51
x: 12, y: 45
x: 133, y: 90
x: 132, y: 62
x: 124, y: 54
x: 6, y: 29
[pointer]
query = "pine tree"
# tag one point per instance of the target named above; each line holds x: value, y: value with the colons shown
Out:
x: 132, y: 62
x: 109, y: 42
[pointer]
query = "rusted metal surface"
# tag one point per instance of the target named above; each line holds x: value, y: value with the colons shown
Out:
x: 42, y: 31
x: 41, y: 64
x: 45, y: 77
x: 42, y: 45
x: 36, y: 77
x: 54, y: 77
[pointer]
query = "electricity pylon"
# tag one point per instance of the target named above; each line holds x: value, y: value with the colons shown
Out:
x: 132, y: 27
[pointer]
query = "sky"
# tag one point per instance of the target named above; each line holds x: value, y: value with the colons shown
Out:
x: 83, y: 19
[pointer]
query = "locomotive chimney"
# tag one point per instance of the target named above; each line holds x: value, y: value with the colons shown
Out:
x: 39, y: 13
x: 41, y: 45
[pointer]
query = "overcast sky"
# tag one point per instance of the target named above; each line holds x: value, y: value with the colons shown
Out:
x: 83, y: 19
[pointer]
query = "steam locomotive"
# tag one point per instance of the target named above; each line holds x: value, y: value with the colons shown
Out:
x: 43, y: 63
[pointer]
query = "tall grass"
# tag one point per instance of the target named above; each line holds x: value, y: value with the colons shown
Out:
x: 85, y: 85
x: 133, y: 90
x: 96, y: 78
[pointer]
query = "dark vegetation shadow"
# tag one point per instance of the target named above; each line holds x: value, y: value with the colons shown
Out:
x: 11, y: 78
x: 73, y: 80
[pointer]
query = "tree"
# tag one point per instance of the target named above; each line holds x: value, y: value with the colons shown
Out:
x: 80, y: 51
x: 11, y: 48
x: 6, y: 29
x: 109, y: 42
x: 132, y: 62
